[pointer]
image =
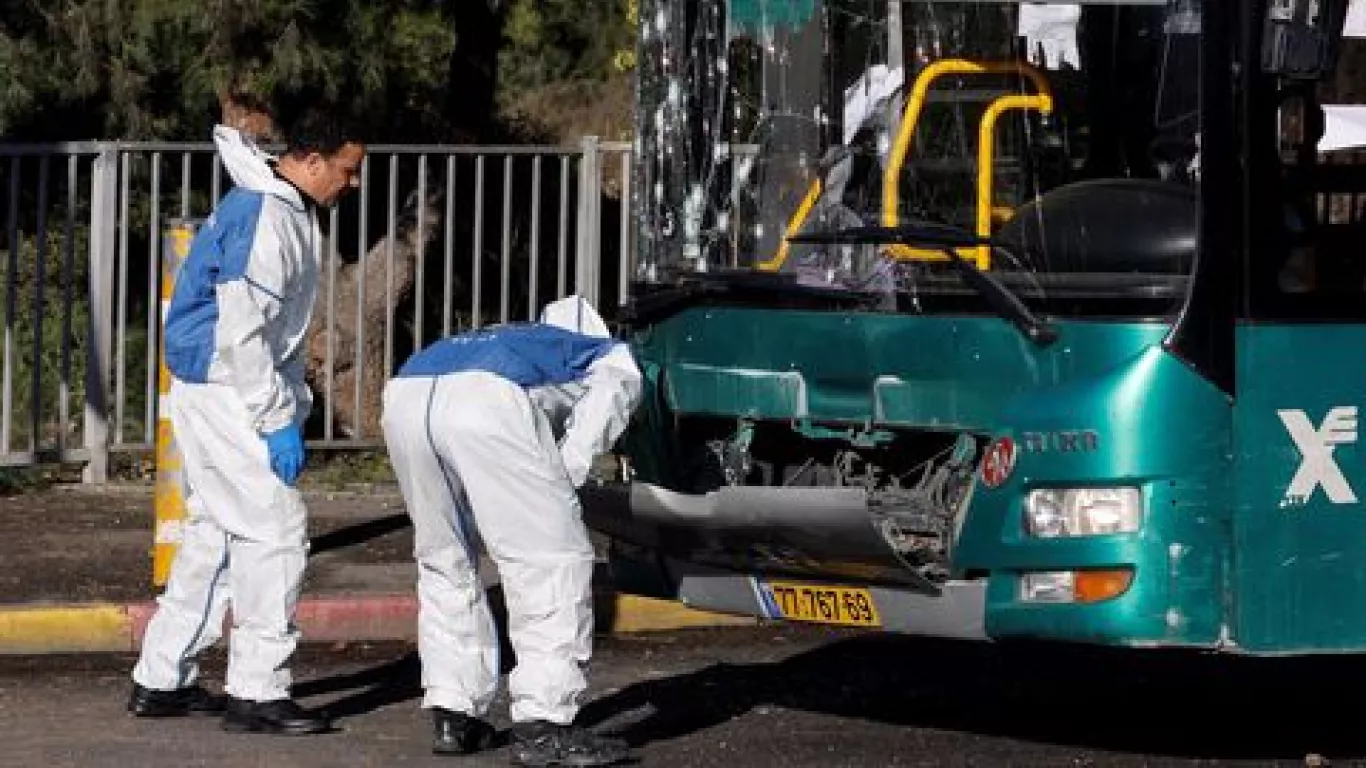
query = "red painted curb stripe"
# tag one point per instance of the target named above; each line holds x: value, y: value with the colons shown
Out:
x: 373, y: 617
x: 324, y: 619
x: 138, y: 616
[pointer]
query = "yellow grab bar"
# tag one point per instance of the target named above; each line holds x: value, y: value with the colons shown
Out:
x: 813, y: 193
x: 891, y: 179
x: 985, y: 159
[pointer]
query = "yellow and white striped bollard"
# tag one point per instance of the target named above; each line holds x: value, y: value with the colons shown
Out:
x: 170, y: 486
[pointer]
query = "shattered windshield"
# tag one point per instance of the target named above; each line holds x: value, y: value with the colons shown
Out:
x: 1066, y: 132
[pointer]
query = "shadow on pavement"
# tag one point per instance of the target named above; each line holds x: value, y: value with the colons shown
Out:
x: 395, y: 681
x: 1150, y: 702
x: 357, y: 534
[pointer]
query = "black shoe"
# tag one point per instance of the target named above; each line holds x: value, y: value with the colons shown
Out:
x: 281, y: 716
x: 539, y: 743
x: 194, y: 700
x: 457, y: 733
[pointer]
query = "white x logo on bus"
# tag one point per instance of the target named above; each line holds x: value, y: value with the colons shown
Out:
x: 1318, y: 467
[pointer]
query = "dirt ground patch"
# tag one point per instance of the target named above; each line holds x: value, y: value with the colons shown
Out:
x: 83, y: 544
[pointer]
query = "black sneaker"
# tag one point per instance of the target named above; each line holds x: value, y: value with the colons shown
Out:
x: 539, y: 743
x: 456, y: 733
x: 193, y: 700
x: 281, y: 716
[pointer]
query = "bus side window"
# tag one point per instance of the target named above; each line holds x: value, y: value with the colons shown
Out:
x: 1323, y: 159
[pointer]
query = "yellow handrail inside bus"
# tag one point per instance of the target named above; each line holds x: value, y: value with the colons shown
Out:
x: 794, y: 224
x: 891, y: 179
x: 985, y: 160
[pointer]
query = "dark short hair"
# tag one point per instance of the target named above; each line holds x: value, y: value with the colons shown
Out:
x: 321, y: 132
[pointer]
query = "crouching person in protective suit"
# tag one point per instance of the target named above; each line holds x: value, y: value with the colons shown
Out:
x: 471, y: 424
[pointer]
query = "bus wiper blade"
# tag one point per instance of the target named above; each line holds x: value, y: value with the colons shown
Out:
x: 947, y: 239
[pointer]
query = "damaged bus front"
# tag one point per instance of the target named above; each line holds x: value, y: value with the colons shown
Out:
x: 936, y: 305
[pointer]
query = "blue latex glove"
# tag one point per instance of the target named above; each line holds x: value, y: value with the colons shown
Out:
x: 286, y: 447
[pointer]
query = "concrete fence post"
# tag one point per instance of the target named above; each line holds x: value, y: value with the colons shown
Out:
x: 588, y: 250
x: 104, y: 181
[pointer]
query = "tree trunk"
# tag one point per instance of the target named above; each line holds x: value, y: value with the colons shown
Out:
x: 371, y: 313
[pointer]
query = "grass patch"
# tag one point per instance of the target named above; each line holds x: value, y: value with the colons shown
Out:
x: 17, y: 480
x: 342, y: 469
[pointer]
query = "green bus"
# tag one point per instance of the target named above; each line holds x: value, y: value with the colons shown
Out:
x: 995, y: 320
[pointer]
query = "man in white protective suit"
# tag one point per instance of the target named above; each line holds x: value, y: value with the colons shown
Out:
x: 234, y: 344
x: 490, y: 434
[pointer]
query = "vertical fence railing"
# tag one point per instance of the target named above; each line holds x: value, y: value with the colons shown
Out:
x: 477, y: 248
x: 330, y: 339
x: 15, y: 254
x: 440, y: 238
x: 152, y: 331
x: 39, y: 306
x: 68, y: 284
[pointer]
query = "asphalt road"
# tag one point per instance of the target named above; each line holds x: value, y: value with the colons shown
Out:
x: 758, y: 698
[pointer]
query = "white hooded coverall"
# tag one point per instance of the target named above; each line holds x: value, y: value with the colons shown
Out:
x: 234, y: 340
x: 471, y: 424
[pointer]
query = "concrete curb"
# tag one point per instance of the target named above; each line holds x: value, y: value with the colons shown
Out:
x: 118, y: 628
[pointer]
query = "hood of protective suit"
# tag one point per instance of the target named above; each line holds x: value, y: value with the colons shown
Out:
x: 250, y: 167
x: 574, y: 313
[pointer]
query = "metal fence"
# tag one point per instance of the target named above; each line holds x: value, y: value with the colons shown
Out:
x: 477, y: 235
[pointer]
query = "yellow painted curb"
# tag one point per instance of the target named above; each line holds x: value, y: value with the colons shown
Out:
x: 61, y: 629
x: 107, y: 627
x: 633, y: 613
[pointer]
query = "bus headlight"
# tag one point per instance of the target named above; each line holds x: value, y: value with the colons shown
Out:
x: 1057, y: 512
